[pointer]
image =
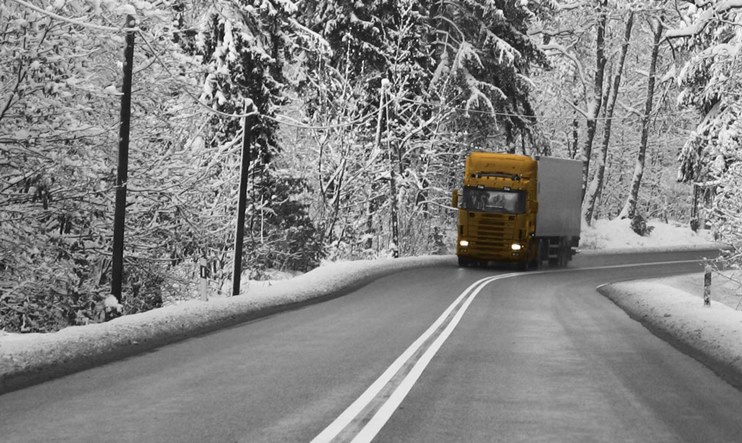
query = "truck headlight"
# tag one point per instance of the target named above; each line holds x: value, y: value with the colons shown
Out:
x: 464, y: 243
x: 516, y: 247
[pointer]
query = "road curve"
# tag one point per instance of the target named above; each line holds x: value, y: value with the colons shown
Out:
x: 537, y: 356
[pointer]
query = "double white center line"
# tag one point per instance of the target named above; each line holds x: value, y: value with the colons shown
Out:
x: 365, y: 417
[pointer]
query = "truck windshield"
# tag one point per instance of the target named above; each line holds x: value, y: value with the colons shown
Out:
x: 491, y: 200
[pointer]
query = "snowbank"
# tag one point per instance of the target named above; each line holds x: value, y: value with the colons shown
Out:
x: 672, y: 308
x: 30, y: 358
x: 711, y: 334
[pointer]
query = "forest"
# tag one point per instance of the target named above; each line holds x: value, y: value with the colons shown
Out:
x: 358, y: 117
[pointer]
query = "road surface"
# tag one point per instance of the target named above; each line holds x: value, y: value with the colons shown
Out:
x: 433, y: 355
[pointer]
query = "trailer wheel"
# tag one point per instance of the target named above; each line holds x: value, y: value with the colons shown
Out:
x: 541, y: 254
x: 554, y: 252
x: 564, y: 252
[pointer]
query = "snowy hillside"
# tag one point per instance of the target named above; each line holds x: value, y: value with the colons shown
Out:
x: 617, y: 234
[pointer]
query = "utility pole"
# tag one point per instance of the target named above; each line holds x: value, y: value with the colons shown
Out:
x: 241, y: 207
x: 117, y: 270
x: 392, y: 180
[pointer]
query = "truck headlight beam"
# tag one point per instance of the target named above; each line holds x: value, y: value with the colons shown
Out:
x: 464, y: 243
x: 516, y: 247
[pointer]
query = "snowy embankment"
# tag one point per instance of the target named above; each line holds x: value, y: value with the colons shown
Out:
x: 30, y: 358
x: 670, y: 307
x: 711, y: 334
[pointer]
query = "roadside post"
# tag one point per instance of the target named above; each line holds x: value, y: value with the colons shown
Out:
x: 707, y: 286
x: 203, y: 273
x: 117, y: 265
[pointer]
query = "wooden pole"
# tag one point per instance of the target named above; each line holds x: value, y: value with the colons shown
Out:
x: 241, y: 207
x: 392, y: 179
x: 117, y: 267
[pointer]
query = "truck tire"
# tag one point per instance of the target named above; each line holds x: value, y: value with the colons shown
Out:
x: 541, y: 253
x: 564, y: 253
x: 525, y: 265
x: 464, y: 262
x: 554, y: 252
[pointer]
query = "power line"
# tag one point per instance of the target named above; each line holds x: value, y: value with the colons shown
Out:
x: 508, y: 114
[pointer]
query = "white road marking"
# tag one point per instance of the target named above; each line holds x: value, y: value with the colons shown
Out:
x: 385, y: 411
x: 657, y: 263
x: 357, y: 406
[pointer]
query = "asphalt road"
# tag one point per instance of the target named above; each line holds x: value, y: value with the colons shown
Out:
x: 414, y: 356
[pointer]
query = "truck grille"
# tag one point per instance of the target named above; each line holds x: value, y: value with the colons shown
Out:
x: 494, y: 231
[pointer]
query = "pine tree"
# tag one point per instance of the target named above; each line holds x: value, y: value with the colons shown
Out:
x: 245, y: 46
x: 710, y: 158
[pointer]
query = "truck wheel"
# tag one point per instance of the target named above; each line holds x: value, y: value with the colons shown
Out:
x: 541, y: 254
x: 564, y: 251
x: 464, y: 261
x: 553, y: 252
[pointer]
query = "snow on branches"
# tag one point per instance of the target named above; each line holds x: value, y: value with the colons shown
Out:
x: 711, y: 80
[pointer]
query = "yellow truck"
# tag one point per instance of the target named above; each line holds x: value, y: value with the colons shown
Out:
x: 518, y: 209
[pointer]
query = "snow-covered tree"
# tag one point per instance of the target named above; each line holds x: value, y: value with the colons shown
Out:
x: 593, y: 19
x: 711, y: 80
x: 567, y: 95
x: 58, y: 138
x: 457, y: 79
x: 629, y: 208
x: 595, y: 187
x: 245, y: 47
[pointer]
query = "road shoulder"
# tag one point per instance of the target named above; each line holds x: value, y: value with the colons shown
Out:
x: 673, y: 309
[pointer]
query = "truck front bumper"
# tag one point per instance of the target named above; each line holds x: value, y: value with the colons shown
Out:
x: 505, y: 253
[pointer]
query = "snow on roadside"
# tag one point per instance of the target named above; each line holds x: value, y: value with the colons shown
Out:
x: 25, y: 358
x: 617, y: 234
x: 672, y: 307
x: 28, y: 358
x: 712, y: 334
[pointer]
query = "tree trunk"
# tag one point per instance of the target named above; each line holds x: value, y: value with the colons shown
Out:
x: 594, y: 104
x: 629, y: 208
x: 596, y: 186
x: 392, y: 185
x: 574, y: 142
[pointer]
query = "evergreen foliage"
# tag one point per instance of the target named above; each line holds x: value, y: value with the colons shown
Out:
x: 244, y: 48
x: 427, y: 82
x: 711, y: 156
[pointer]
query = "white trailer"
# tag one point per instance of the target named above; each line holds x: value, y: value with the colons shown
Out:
x: 558, y: 219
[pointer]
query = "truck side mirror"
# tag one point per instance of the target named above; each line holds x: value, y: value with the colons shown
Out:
x: 455, y: 198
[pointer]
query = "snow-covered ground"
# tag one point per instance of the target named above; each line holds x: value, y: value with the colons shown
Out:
x: 673, y: 307
x: 617, y: 234
x: 670, y: 305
